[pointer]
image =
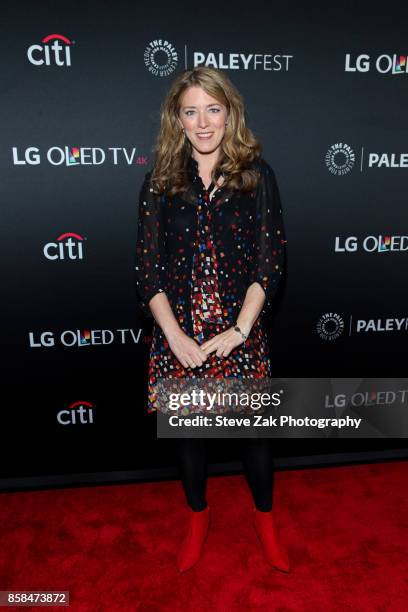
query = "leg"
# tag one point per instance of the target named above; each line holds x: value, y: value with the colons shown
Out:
x: 192, y: 457
x: 259, y: 471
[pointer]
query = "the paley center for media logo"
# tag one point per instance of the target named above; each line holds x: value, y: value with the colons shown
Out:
x: 332, y: 325
x: 161, y: 58
x: 341, y: 158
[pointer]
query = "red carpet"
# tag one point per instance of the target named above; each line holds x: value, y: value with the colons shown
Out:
x: 114, y: 547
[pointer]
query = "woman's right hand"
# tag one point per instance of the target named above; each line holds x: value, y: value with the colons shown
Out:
x: 187, y: 351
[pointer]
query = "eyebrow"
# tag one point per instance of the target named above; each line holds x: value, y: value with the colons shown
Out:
x: 213, y: 104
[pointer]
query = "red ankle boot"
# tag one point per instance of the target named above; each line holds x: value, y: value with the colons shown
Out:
x: 274, y: 551
x: 194, y: 539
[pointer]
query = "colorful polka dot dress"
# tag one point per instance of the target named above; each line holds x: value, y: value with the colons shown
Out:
x: 204, y: 254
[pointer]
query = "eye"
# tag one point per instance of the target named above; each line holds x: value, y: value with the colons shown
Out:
x: 217, y: 110
x: 188, y: 112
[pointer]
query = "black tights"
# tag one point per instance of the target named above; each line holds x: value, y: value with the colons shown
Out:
x: 257, y: 463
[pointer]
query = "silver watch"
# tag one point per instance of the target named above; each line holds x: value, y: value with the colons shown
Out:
x: 245, y: 336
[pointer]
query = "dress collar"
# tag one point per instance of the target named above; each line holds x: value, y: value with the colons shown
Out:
x: 195, y: 190
x: 192, y: 169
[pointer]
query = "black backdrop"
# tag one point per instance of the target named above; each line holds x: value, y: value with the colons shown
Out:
x: 82, y: 83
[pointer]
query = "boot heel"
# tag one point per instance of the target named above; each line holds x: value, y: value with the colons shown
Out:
x: 274, y: 550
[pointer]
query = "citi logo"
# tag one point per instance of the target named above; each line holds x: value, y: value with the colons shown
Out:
x: 67, y: 246
x: 78, y: 413
x: 384, y: 64
x: 55, y: 50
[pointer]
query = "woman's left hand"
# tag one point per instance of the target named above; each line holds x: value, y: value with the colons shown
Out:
x: 223, y: 343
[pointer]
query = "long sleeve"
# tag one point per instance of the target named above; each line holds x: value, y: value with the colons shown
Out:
x: 150, y: 250
x: 267, y: 258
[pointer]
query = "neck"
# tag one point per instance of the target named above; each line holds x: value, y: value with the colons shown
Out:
x: 206, y: 161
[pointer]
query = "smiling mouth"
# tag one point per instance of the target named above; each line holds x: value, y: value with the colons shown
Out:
x: 205, y: 135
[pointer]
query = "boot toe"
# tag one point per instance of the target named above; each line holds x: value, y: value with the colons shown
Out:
x: 273, y: 549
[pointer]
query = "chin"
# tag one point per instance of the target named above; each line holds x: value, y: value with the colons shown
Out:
x: 206, y: 147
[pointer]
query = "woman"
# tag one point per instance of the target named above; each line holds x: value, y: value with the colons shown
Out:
x: 210, y: 254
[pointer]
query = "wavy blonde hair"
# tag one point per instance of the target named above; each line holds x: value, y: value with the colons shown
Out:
x: 172, y: 148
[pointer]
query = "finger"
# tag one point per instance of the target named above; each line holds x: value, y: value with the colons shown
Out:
x: 196, y: 363
x: 207, y: 346
x: 220, y: 351
x: 211, y: 350
x: 197, y: 359
x: 210, y: 342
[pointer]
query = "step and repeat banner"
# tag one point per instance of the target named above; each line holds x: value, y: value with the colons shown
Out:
x: 81, y: 88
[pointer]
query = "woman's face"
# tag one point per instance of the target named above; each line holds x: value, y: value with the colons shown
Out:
x: 203, y: 119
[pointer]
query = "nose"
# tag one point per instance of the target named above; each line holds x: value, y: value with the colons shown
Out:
x: 202, y: 119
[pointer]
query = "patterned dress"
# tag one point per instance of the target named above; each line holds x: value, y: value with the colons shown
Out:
x: 207, y: 314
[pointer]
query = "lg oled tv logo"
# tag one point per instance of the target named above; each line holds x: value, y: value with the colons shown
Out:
x: 367, y: 398
x: 384, y: 64
x: 54, y: 50
x: 68, y: 246
x: 74, y: 338
x: 77, y: 413
x: 79, y: 156
x: 371, y: 244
